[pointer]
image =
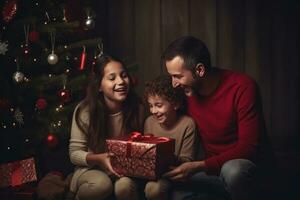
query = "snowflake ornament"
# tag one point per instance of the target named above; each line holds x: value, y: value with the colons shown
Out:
x: 3, y: 47
x: 19, y: 116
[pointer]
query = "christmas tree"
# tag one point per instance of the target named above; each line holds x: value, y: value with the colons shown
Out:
x: 47, y: 49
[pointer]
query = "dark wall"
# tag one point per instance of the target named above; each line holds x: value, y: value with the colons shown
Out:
x: 259, y: 37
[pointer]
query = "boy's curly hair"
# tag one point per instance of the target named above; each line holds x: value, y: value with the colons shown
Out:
x: 162, y: 87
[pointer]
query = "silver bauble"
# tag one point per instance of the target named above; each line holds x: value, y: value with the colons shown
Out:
x: 18, y: 77
x: 52, y: 58
x: 89, y: 23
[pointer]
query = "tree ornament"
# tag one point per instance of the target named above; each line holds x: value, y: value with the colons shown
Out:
x: 4, y: 104
x: 41, y: 104
x: 83, y: 59
x: 26, y: 50
x: 19, y: 117
x: 18, y: 77
x: 64, y: 95
x: 51, y: 140
x: 89, y: 22
x: 52, y: 58
x: 34, y: 36
x: 3, y: 47
x: 64, y: 16
x: 9, y: 10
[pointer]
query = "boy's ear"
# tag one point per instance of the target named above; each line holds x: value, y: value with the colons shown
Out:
x: 200, y: 69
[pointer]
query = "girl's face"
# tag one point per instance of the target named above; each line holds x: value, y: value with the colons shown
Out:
x: 114, y: 84
x: 164, y: 111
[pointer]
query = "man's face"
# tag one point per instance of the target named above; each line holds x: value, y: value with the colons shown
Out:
x: 181, y: 76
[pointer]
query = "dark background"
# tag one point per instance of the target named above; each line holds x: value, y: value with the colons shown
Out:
x: 259, y: 37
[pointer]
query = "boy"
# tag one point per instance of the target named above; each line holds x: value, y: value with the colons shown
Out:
x: 166, y: 104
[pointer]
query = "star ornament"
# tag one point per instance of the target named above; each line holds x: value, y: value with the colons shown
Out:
x: 18, y: 115
x: 3, y: 47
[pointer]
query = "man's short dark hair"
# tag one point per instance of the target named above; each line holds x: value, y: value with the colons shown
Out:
x: 191, y: 50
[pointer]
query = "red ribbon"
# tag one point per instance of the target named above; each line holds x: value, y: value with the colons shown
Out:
x: 16, y: 177
x: 136, y: 136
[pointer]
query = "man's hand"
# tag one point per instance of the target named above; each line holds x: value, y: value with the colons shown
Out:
x: 185, y: 170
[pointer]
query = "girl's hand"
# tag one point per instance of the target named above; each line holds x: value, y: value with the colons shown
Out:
x: 102, y: 160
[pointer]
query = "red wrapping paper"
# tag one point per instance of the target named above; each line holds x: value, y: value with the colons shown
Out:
x: 17, y: 173
x: 140, y: 156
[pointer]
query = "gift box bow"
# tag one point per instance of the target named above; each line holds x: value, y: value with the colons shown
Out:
x: 128, y: 146
x: 138, y: 137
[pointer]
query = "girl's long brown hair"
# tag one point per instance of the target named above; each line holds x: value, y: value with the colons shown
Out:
x: 97, y: 130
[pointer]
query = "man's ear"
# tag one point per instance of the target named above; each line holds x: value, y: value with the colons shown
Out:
x: 176, y: 105
x: 200, y: 69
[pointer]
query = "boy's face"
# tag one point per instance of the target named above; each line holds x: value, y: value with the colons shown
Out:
x: 163, y: 111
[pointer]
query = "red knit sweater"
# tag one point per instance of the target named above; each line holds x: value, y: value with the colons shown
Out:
x: 229, y: 120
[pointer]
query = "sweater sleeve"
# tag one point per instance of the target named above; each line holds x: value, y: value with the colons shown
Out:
x: 147, y: 125
x: 248, y: 128
x: 78, y: 149
x: 187, y: 151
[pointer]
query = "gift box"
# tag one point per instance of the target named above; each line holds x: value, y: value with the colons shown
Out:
x: 142, y: 156
x: 17, y: 172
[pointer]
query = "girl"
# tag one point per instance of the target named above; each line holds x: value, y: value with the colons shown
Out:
x: 101, y: 115
x: 168, y: 120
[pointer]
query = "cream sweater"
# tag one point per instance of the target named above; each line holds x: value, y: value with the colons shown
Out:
x: 78, y: 148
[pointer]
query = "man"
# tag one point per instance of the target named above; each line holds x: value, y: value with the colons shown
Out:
x: 227, y: 109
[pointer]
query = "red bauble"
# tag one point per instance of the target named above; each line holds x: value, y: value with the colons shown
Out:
x: 26, y: 50
x: 41, y: 103
x: 64, y: 95
x: 3, y: 104
x: 34, y: 36
x: 52, y: 140
x: 9, y: 10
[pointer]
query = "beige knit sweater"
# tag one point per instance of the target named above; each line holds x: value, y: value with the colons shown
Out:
x: 78, y: 148
x: 184, y: 132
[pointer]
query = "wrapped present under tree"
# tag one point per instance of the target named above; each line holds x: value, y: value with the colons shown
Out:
x: 17, y: 172
x: 142, y: 156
